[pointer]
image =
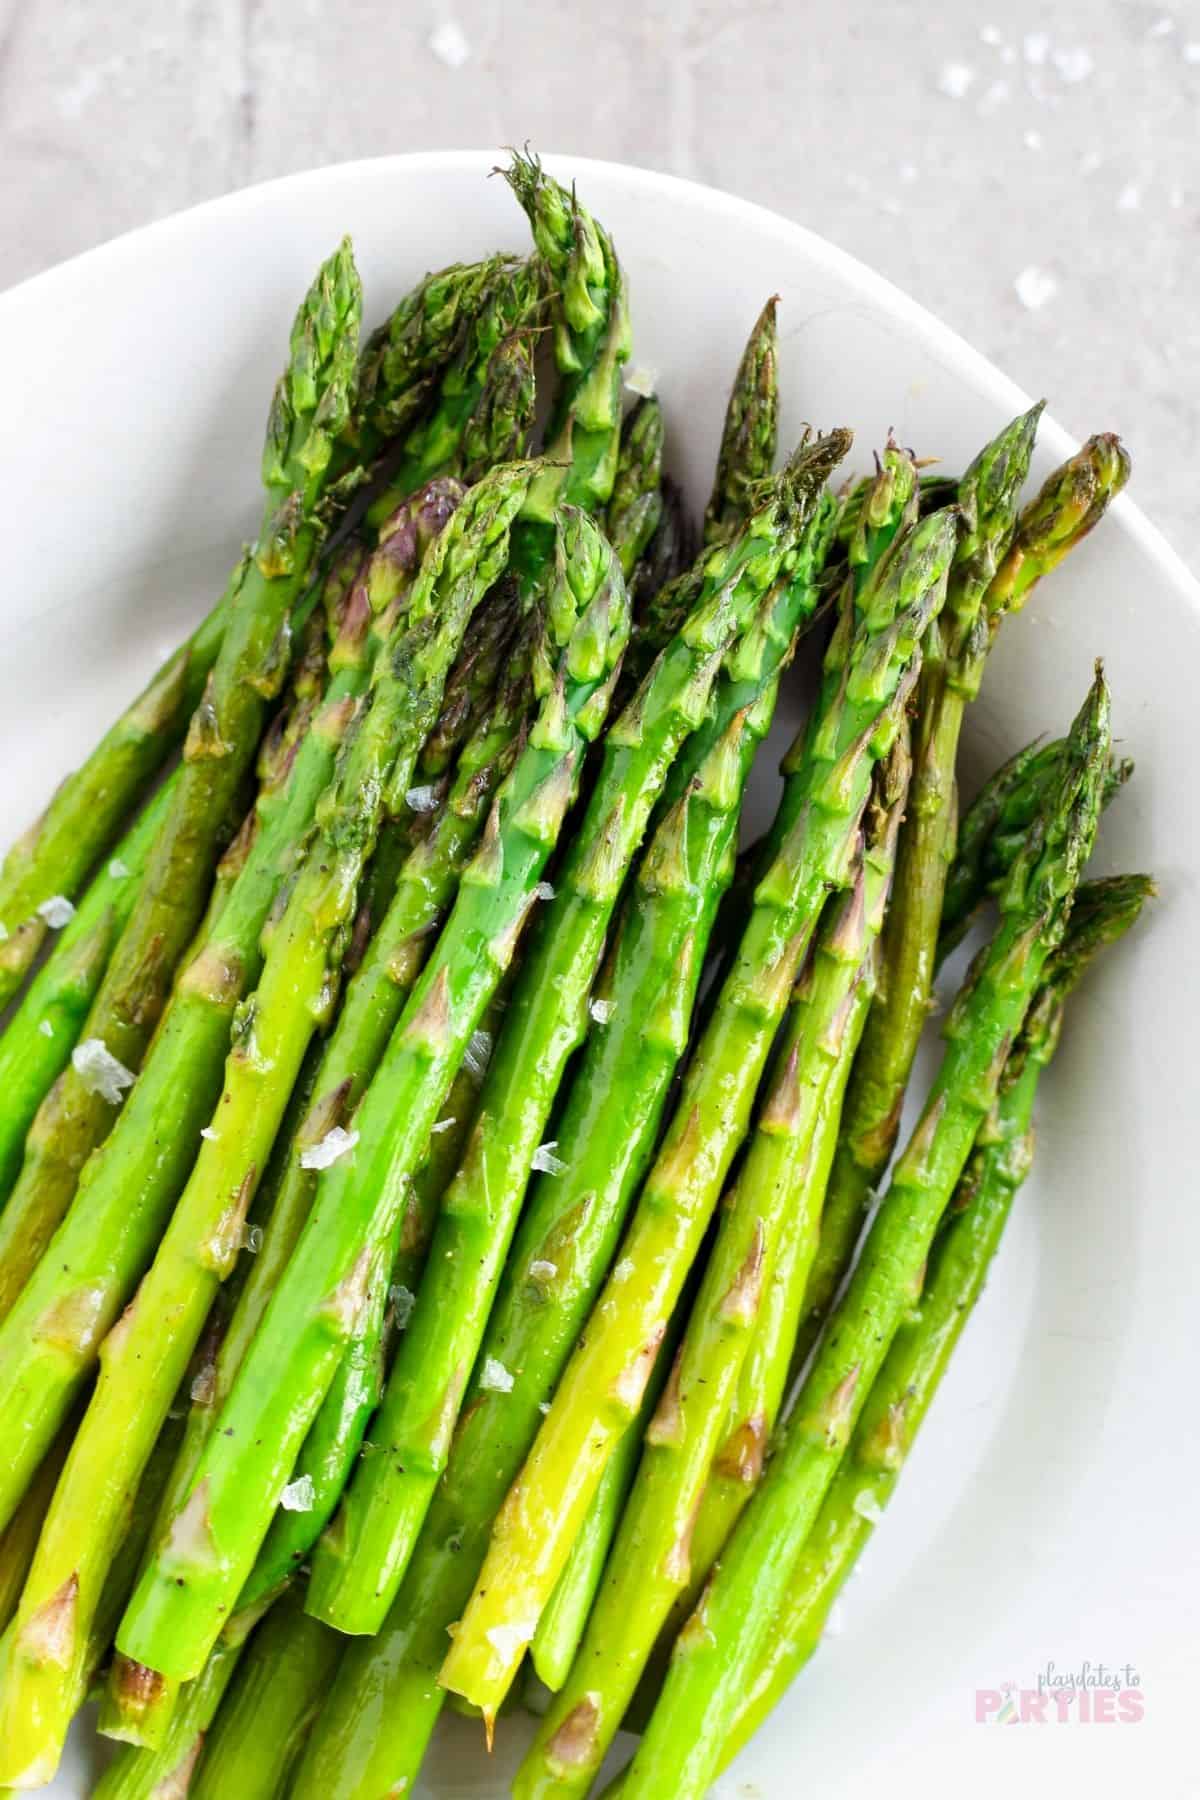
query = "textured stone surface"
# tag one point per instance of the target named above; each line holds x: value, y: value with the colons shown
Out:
x: 973, y: 153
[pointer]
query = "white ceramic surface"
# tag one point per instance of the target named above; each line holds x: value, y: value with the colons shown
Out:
x: 1047, y: 1515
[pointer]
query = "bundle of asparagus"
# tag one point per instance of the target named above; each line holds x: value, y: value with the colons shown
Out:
x: 402, y: 1266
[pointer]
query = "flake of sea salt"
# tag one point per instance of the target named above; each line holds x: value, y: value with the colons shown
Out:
x: 57, y: 911
x: 421, y: 799
x: 335, y: 1143
x: 208, y: 1132
x: 541, y: 1270
x: 642, y: 381
x: 867, y: 1506
x: 624, y: 1269
x: 442, y: 1125
x: 450, y: 44
x: 602, y: 1010
x: 1035, y: 47
x: 403, y: 1300
x: 99, y: 1070
x: 496, y: 1379
x: 1073, y: 65
x: 1130, y: 198
x: 1035, y: 287
x: 117, y: 869
x: 1032, y: 140
x: 955, y: 80
x: 508, y: 1640
x: 299, y: 1495
x: 543, y: 891
x: 46, y: 1028
x: 478, y: 1051
x: 545, y: 1160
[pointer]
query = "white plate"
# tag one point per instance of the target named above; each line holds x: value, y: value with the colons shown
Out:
x: 1048, y: 1514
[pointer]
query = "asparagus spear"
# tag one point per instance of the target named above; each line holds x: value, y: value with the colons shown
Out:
x: 718, y: 1649
x: 568, y: 1234
x: 902, y: 1391
x: 49, y: 1171
x: 635, y: 509
x: 404, y: 359
x: 51, y: 1336
x: 361, y: 1561
x: 42, y: 1033
x: 425, y: 891
x: 994, y: 827
x: 650, y: 1564
x: 162, y: 1773
x: 176, y: 1613
x: 670, y: 551
x: 869, y: 668
x: 484, y: 393
x: 58, y: 851
x: 225, y: 702
x: 269, y: 1708
x: 747, y: 452
x: 996, y: 567
x: 146, y: 1356
x: 591, y: 342
x: 311, y: 402
x: 373, y: 1004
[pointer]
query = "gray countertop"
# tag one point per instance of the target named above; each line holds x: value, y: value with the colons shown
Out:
x: 1030, y: 172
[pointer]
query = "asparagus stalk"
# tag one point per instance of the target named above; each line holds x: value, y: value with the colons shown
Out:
x: 635, y: 510
x: 871, y: 667
x: 51, y: 1336
x: 748, y: 441
x: 146, y: 1357
x: 718, y: 1649
x: 562, y: 1625
x: 568, y: 1234
x: 49, y: 1172
x: 920, y: 1352
x: 373, y: 1004
x: 269, y: 1708
x: 651, y: 1560
x: 226, y: 703
x: 670, y: 551
x: 40, y: 1036
x: 997, y: 565
x: 485, y: 392
x: 177, y: 1611
x: 56, y: 854
x: 994, y: 828
x: 160, y: 1774
x: 311, y: 402
x: 590, y: 320
x: 404, y: 360
x: 426, y: 889
x: 360, y: 1563
x: 375, y: 995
